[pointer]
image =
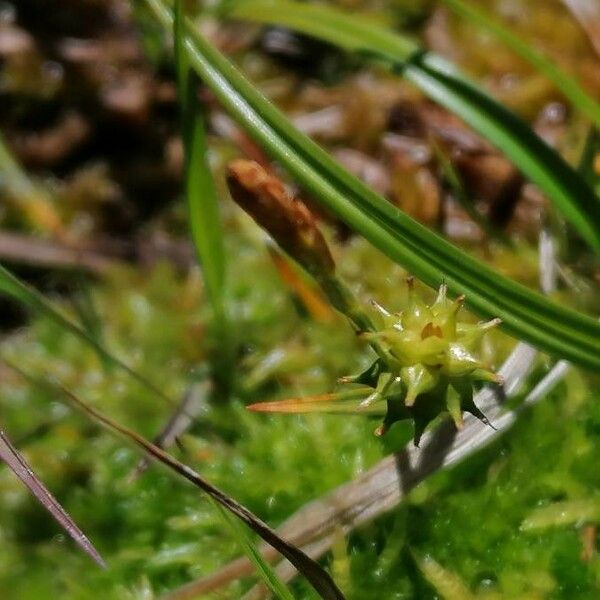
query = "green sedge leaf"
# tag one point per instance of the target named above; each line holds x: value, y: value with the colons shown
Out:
x: 589, y: 165
x: 200, y: 190
x: 442, y: 82
x: 558, y: 330
x: 568, y: 86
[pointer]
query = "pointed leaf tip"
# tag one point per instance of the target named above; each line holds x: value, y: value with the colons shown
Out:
x: 19, y: 466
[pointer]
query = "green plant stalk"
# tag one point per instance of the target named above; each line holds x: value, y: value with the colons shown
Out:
x: 566, y: 84
x: 343, y: 299
x: 203, y: 205
x: 265, y: 571
x: 200, y: 190
x: 560, y: 331
x: 293, y: 227
x: 442, y: 82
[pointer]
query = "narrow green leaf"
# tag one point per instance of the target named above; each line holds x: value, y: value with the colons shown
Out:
x: 181, y: 60
x: 566, y: 84
x: 89, y: 318
x: 263, y: 568
x: 334, y: 26
x: 441, y: 81
x: 12, y: 286
x: 202, y: 200
x: 558, y: 330
x: 589, y: 163
x: 19, y: 466
x: 453, y: 178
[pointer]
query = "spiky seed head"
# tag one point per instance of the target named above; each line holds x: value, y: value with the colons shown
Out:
x: 426, y: 366
x: 435, y: 357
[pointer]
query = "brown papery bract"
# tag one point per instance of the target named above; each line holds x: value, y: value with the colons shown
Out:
x: 290, y: 223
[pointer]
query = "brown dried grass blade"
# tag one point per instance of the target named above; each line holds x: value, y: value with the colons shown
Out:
x: 18, y: 465
x: 311, y: 298
x: 314, y: 573
x: 336, y: 402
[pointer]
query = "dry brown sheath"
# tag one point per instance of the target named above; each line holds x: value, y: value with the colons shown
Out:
x: 291, y: 224
x: 287, y: 220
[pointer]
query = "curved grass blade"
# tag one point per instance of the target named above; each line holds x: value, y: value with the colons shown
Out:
x: 200, y: 190
x: 314, y: 573
x: 12, y: 286
x: 88, y: 316
x: 263, y: 568
x: 568, y: 86
x: 18, y: 465
x: 442, y: 82
x: 555, y: 329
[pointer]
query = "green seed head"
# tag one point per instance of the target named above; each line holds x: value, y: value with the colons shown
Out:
x: 430, y: 357
x: 426, y: 365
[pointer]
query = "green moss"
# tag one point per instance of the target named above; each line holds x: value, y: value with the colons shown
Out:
x: 158, y: 532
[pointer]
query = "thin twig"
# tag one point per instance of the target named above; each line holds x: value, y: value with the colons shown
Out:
x: 95, y: 256
x: 191, y: 405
